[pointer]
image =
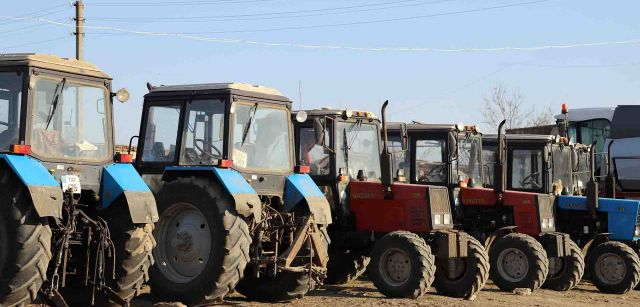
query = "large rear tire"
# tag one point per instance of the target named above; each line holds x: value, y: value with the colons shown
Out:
x: 25, y: 250
x: 614, y: 267
x: 518, y: 261
x: 463, y: 277
x: 566, y: 272
x: 203, y: 244
x: 402, y: 265
x: 345, y: 266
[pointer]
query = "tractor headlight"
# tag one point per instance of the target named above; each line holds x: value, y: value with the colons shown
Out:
x: 447, y: 219
x: 437, y: 219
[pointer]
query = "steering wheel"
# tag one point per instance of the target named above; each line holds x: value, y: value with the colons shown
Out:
x: 431, y: 172
x: 531, y: 179
x: 201, y: 149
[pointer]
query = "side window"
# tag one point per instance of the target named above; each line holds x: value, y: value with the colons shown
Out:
x: 312, y: 154
x: 204, y: 132
x: 400, y: 158
x: 526, y: 169
x: 10, y: 96
x: 489, y: 160
x: 430, y: 166
x: 161, y: 134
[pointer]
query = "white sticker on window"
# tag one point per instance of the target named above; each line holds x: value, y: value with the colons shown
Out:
x: 239, y: 158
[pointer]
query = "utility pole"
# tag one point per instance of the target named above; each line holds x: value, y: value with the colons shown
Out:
x: 79, y: 29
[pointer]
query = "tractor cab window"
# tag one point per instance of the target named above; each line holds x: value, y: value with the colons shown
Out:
x: 10, y: 98
x: 431, y: 167
x: 161, y: 133
x: 526, y: 169
x: 489, y: 161
x: 582, y: 173
x: 313, y: 154
x: 70, y: 120
x: 358, y: 149
x: 400, y: 157
x: 203, y: 132
x: 561, y: 156
x: 469, y: 161
x: 261, y: 137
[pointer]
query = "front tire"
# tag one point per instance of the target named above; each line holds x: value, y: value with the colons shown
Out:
x: 566, y: 272
x: 518, y: 261
x: 345, y: 266
x: 402, y: 265
x: 203, y: 244
x: 614, y: 267
x: 471, y: 273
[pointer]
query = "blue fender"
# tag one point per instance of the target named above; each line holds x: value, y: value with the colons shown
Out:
x: 122, y: 180
x: 300, y: 187
x: 622, y: 214
x: 44, y: 190
x: 246, y: 199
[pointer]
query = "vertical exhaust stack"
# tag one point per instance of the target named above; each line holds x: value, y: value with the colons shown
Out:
x: 592, y: 187
x: 610, y: 183
x: 386, y: 158
x: 499, y: 171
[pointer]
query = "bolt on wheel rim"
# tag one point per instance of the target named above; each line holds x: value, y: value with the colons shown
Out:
x: 513, y: 264
x: 556, y: 266
x: 184, y: 242
x: 4, y: 243
x: 610, y: 268
x: 395, y: 266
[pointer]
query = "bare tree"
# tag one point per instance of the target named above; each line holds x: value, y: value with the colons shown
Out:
x: 504, y: 104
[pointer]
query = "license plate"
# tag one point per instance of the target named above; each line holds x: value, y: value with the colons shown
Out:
x: 71, y: 183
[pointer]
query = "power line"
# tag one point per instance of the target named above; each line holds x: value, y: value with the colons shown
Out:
x: 36, y: 42
x: 174, y: 3
x: 278, y: 15
x: 39, y: 11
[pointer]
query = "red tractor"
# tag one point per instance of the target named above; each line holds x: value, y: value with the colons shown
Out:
x: 517, y: 227
x: 406, y: 229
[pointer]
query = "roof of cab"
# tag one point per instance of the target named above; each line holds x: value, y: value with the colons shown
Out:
x: 328, y: 111
x: 423, y: 127
x: 522, y: 137
x: 52, y: 62
x: 243, y: 89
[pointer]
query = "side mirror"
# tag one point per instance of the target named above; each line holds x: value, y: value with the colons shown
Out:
x: 319, y: 130
x: 122, y: 95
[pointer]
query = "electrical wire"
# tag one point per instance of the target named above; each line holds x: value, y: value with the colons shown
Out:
x: 174, y: 3
x: 36, y: 42
x: 39, y: 11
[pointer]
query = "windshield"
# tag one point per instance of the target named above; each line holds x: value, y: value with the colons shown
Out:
x: 561, y: 168
x: 431, y: 165
x: 261, y: 137
x: 582, y: 174
x: 358, y: 149
x: 526, y: 169
x: 204, y: 132
x: 69, y: 120
x: 10, y: 98
x: 469, y: 159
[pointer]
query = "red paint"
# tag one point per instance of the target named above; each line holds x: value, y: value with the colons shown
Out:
x: 478, y: 197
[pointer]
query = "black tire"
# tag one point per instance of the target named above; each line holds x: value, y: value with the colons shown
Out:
x: 568, y: 271
x: 624, y: 256
x: 229, y: 250
x: 284, y: 287
x: 26, y: 249
x: 345, y: 266
x: 134, y: 244
x: 533, y: 268
x: 472, y: 275
x: 411, y: 249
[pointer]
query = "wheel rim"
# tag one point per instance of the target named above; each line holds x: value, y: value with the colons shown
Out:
x: 4, y: 243
x: 513, y: 264
x: 610, y: 268
x: 395, y: 266
x: 556, y: 266
x: 184, y: 242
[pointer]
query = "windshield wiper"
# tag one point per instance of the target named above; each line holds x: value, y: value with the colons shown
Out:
x: 54, y: 102
x: 247, y: 125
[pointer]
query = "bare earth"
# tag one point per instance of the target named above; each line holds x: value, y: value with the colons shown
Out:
x: 363, y: 293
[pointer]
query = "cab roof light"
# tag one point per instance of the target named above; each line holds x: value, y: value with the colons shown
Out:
x: 302, y: 169
x: 123, y: 158
x: 222, y: 163
x: 565, y: 108
x: 20, y: 149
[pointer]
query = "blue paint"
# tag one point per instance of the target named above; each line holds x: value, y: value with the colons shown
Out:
x: 30, y: 171
x: 230, y: 179
x: 118, y: 178
x: 622, y: 214
x: 299, y: 187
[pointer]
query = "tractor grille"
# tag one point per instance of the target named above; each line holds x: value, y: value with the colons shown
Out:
x: 439, y: 200
x: 545, y: 208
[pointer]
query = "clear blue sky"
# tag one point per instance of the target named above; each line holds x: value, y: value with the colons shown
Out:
x: 435, y: 87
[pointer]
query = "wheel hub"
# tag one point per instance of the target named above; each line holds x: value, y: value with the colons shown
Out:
x: 513, y: 264
x: 184, y: 242
x: 610, y: 268
x: 395, y: 266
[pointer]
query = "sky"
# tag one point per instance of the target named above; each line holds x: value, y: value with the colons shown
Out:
x: 268, y: 42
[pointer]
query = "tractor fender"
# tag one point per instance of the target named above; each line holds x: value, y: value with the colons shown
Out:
x: 300, y: 188
x: 595, y: 241
x: 246, y: 199
x: 44, y: 190
x: 497, y: 234
x: 122, y: 181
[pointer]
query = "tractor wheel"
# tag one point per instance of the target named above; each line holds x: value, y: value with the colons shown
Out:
x: 402, y: 265
x: 518, y: 261
x: 284, y: 287
x: 134, y: 244
x: 25, y: 250
x: 614, y: 267
x: 345, y: 266
x: 566, y: 272
x: 463, y: 277
x: 203, y: 244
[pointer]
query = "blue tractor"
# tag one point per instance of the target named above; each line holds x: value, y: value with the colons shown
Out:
x: 72, y: 213
x: 234, y: 208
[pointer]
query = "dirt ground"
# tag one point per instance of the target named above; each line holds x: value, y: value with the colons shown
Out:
x: 363, y: 293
